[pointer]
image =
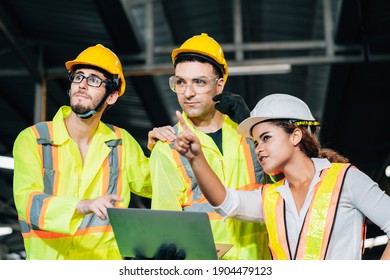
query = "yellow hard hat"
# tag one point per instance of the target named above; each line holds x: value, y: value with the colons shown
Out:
x: 102, y: 57
x: 205, y: 46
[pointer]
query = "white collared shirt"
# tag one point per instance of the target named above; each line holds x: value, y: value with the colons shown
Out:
x: 360, y: 197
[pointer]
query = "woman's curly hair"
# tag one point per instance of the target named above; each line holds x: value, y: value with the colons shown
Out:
x: 310, y: 145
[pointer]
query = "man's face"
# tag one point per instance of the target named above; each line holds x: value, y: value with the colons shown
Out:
x: 195, y: 74
x: 84, y: 97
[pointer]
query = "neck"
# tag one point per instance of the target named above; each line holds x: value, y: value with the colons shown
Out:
x: 210, y: 123
x: 82, y: 130
x: 300, y: 172
x: 299, y: 176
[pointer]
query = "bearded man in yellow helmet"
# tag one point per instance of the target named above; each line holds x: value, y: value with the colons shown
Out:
x: 201, y: 72
x: 68, y: 171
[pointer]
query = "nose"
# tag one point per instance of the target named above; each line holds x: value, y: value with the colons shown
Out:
x: 189, y: 91
x: 259, y: 149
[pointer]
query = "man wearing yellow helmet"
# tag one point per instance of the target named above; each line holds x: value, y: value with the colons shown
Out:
x: 102, y: 60
x: 70, y: 170
x: 201, y: 72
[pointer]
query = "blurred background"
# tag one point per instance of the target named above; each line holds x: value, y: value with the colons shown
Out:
x: 334, y: 54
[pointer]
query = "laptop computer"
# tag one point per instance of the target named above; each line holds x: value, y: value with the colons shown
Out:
x: 143, y: 231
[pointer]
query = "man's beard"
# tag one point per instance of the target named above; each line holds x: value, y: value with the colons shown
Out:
x: 79, y: 109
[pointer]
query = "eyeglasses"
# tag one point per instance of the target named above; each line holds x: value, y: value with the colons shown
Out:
x: 198, y: 85
x: 92, y: 80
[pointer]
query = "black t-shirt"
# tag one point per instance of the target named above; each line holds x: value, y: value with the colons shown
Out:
x: 217, y: 137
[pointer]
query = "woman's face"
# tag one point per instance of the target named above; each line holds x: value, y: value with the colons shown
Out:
x: 274, y: 147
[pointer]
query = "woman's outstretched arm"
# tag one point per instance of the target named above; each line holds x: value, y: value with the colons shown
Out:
x: 188, y: 145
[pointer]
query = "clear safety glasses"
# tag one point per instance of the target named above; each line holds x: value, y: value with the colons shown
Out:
x: 198, y: 85
x: 92, y: 80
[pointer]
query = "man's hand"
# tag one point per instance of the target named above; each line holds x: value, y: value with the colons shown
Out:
x: 164, y: 133
x: 98, y: 206
x: 232, y: 105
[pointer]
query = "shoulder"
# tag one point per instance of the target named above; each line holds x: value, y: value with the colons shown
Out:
x: 32, y: 131
x: 117, y: 135
x: 321, y: 163
x: 26, y: 139
x: 357, y: 176
x: 121, y: 133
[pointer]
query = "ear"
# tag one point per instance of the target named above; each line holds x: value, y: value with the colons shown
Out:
x: 220, y: 85
x: 112, y: 98
x: 296, y: 136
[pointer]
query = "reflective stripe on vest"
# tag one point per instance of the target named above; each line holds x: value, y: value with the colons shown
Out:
x: 276, y: 229
x: 195, y: 200
x: 318, y: 225
x: 48, y: 153
x: 49, y: 156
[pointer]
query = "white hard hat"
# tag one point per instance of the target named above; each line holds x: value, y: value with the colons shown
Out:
x: 276, y: 106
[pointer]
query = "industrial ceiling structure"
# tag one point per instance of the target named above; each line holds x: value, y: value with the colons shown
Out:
x: 334, y: 54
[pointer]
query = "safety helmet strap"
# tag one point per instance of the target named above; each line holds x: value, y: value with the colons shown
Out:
x: 98, y: 107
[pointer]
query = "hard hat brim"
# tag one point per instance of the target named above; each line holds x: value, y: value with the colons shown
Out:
x: 245, y: 127
x: 69, y: 65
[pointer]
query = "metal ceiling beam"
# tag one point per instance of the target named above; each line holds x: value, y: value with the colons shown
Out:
x: 328, y: 27
x: 165, y: 69
x: 40, y: 105
x: 237, y: 30
x: 145, y: 69
x: 149, y: 33
x: 260, y: 46
x: 161, y: 69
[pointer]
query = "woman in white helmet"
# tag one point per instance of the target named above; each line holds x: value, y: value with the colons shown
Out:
x: 318, y: 210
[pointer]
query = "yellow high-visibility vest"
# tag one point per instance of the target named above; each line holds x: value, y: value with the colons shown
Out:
x: 315, y: 234
x: 51, y: 178
x: 175, y: 187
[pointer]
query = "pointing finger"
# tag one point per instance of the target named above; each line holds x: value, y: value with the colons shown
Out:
x: 181, y: 120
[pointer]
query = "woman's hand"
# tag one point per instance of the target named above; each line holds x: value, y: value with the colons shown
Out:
x: 187, y: 143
